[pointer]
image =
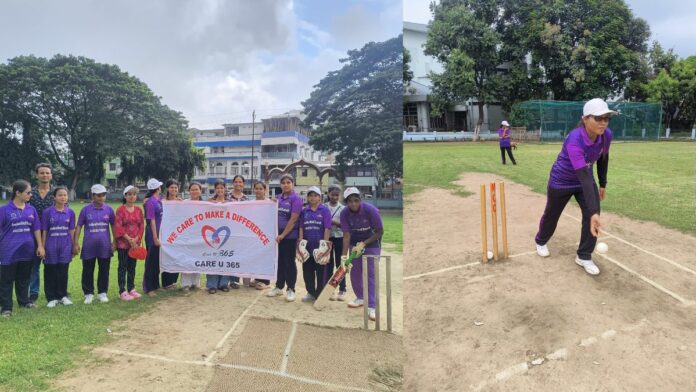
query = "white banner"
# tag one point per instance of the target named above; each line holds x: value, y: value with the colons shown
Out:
x: 225, y: 239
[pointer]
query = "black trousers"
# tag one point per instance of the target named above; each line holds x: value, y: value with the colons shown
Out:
x: 556, y: 200
x: 313, y: 274
x: 126, y: 271
x: 287, y: 269
x: 16, y: 274
x: 102, y: 275
x: 152, y: 271
x: 336, y: 253
x: 509, y: 152
x: 169, y: 278
x: 56, y: 281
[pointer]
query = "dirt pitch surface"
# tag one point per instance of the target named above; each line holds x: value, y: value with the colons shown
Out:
x: 243, y: 340
x: 542, y: 324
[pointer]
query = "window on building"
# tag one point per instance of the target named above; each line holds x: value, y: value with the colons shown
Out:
x: 232, y: 131
x: 235, y: 169
x: 410, y: 120
x: 304, y: 172
x: 112, y: 166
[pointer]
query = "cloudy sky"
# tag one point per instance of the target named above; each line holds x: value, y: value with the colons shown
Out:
x: 672, y: 22
x: 213, y: 60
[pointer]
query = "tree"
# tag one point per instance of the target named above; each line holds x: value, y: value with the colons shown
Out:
x: 675, y: 89
x: 463, y: 38
x: 357, y: 109
x: 408, y: 74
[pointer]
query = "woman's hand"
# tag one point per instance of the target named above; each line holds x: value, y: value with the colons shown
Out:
x: 602, y: 193
x: 40, y: 252
x: 280, y: 238
x: 595, y: 225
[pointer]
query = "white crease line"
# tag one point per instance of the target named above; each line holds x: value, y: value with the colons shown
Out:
x: 286, y: 354
x: 674, y: 263
x: 234, y: 326
x: 456, y: 267
x: 236, y: 367
x: 656, y: 285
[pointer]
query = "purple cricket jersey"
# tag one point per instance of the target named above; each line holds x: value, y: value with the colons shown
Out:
x: 504, y: 142
x: 59, y: 243
x: 153, y: 210
x: 314, y: 223
x: 96, y: 241
x: 362, y: 224
x: 286, y: 207
x: 578, y: 151
x: 17, y: 227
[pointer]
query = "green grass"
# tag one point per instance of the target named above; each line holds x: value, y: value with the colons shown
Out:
x: 393, y: 228
x: 38, y: 344
x: 654, y: 181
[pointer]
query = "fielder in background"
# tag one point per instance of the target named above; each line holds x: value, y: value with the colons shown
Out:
x: 504, y: 135
x: 314, y: 248
x: 361, y: 223
x: 336, y: 239
x: 571, y: 175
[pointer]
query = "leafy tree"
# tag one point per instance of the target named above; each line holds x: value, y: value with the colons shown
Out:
x: 357, y: 109
x: 676, y: 91
x: 408, y: 74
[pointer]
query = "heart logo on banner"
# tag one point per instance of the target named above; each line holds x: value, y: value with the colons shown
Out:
x: 218, y: 237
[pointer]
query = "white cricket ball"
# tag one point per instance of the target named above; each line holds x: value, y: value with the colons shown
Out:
x: 490, y: 255
x: 602, y: 247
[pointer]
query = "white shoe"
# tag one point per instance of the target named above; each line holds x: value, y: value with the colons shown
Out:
x: 372, y: 314
x: 308, y: 298
x: 342, y: 295
x: 543, y: 250
x: 356, y: 303
x: 334, y: 296
x: 89, y: 298
x: 290, y: 295
x: 103, y: 298
x: 52, y: 304
x: 274, y: 292
x: 66, y: 301
x: 588, y: 265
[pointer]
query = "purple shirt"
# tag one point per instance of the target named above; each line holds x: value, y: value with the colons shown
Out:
x: 59, y: 243
x: 17, y: 227
x: 502, y: 132
x: 362, y: 224
x: 286, y: 207
x: 314, y: 223
x: 578, y: 151
x: 97, y: 240
x: 153, y: 210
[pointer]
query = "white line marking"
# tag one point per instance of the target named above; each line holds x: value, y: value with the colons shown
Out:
x: 234, y: 326
x: 588, y: 342
x: 511, y: 371
x: 236, y: 367
x: 608, y: 334
x: 679, y: 298
x: 674, y: 263
x: 286, y: 354
x: 558, y: 355
x: 456, y: 267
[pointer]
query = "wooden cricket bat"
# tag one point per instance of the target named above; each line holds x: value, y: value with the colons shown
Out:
x: 337, y: 278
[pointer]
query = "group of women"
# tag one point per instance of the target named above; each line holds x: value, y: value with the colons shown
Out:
x: 53, y: 235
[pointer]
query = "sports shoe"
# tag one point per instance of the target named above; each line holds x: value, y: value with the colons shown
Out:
x: 308, y: 298
x: 342, y: 295
x: 89, y: 298
x: 6, y: 313
x: 542, y: 250
x: 234, y: 285
x: 102, y: 297
x: 588, y: 265
x: 29, y: 305
x: 372, y: 314
x: 334, y: 296
x: 274, y: 292
x: 260, y: 285
x: 52, y: 304
x: 356, y: 303
x: 66, y: 301
x: 134, y: 294
x: 290, y: 297
x: 124, y: 296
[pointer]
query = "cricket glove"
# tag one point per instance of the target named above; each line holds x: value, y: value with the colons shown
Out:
x: 322, y: 254
x: 301, y: 255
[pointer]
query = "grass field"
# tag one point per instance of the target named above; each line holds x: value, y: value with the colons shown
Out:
x: 653, y: 181
x: 38, y: 344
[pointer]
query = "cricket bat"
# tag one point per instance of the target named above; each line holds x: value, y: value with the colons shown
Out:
x: 337, y: 277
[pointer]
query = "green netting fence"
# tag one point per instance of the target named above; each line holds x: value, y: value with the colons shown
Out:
x: 636, y: 120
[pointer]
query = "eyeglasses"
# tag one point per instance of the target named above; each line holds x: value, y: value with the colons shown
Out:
x: 601, y: 118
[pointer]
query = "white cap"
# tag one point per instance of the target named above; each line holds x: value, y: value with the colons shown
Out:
x: 314, y: 189
x: 127, y: 189
x: 97, y: 189
x: 351, y: 191
x: 596, y: 107
x: 153, y: 183
x: 507, y: 124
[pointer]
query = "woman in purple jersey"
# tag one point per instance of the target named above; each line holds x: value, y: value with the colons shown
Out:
x: 315, y: 226
x: 58, y: 228
x: 571, y: 176
x: 504, y: 135
x: 19, y: 229
x: 153, y: 219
